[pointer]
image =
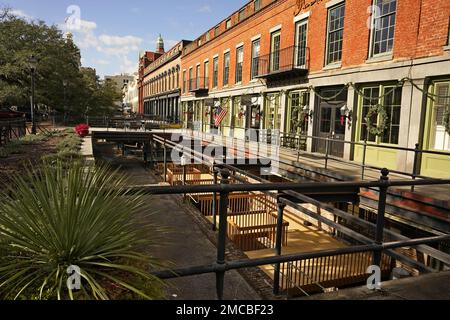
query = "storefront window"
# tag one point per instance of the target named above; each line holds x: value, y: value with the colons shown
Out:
x: 273, y: 112
x: 296, y: 122
x: 391, y: 98
x: 439, y: 138
x: 225, y: 104
x: 239, y: 113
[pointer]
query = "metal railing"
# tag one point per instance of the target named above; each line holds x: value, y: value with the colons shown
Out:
x: 299, y: 143
x: 221, y: 266
x: 283, y: 60
x: 197, y: 84
x: 297, y: 191
x: 12, y: 129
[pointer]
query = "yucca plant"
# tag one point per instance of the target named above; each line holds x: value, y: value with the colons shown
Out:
x: 55, y: 217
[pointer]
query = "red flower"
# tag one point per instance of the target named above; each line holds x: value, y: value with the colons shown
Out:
x: 82, y: 130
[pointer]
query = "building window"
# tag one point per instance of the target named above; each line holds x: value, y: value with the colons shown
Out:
x: 207, y: 36
x: 383, y: 26
x: 216, y: 31
x: 215, y: 72
x: 256, y: 5
x: 199, y: 42
x: 256, y: 46
x: 226, y: 68
x: 241, y: 15
x: 273, y: 112
x: 301, y: 31
x: 295, y: 123
x: 239, y: 62
x: 191, y: 76
x: 391, y: 101
x: 238, y: 110
x: 184, y: 81
x: 275, y: 46
x: 335, y: 33
x: 228, y: 24
x: 438, y: 137
x: 206, y: 73
x: 198, y: 77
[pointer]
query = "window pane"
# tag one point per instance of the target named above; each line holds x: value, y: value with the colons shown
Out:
x: 383, y: 26
x: 440, y: 139
x: 335, y: 33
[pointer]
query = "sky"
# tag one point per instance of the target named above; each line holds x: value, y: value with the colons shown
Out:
x: 111, y: 33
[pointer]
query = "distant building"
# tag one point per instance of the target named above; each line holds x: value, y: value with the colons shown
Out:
x: 131, y: 95
x: 120, y: 80
x: 161, y: 96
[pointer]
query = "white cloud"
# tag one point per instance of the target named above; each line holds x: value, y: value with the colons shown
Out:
x: 21, y: 14
x: 128, y: 66
x: 102, y: 62
x: 205, y: 9
x: 120, y: 41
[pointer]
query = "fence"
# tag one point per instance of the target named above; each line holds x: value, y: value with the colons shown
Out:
x: 12, y: 130
x: 375, y: 245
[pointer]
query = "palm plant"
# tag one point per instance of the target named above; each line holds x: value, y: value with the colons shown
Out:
x: 56, y: 217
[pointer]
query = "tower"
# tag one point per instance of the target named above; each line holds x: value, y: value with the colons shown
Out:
x: 160, y: 45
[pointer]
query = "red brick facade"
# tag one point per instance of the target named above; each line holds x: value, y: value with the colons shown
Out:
x: 421, y: 30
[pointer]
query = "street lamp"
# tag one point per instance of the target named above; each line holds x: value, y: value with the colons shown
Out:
x: 33, y: 64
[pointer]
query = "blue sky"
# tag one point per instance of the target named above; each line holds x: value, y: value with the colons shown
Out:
x: 110, y: 33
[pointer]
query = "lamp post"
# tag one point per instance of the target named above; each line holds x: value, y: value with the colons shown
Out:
x: 65, y: 99
x: 33, y: 64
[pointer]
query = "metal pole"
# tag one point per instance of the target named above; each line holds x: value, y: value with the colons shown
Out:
x: 327, y: 151
x: 363, y: 168
x: 214, y: 204
x: 184, y: 178
x: 384, y: 180
x: 416, y: 161
x: 278, y: 244
x: 33, y: 120
x: 165, y: 161
x: 222, y: 238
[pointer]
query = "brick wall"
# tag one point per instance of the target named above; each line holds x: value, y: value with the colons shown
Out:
x: 421, y: 30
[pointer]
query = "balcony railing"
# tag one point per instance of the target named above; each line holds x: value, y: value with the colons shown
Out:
x: 292, y: 60
x: 198, y: 85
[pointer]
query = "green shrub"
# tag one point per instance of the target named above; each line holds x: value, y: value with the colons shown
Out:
x: 54, y: 217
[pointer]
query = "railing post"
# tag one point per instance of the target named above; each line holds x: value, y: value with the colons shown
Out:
x: 214, y: 204
x: 165, y: 160
x: 184, y: 178
x: 363, y: 168
x: 384, y: 183
x: 327, y: 151
x: 223, y: 225
x: 415, y: 163
x: 278, y: 244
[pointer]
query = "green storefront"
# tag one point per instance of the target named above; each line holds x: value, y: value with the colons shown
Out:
x: 435, y: 137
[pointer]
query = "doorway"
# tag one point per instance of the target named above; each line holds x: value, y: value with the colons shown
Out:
x: 329, y: 124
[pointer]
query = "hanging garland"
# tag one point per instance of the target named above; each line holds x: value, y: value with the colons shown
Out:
x: 446, y: 121
x: 382, y: 126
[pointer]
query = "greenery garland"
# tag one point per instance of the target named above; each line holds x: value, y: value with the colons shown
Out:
x: 382, y: 126
x: 447, y: 119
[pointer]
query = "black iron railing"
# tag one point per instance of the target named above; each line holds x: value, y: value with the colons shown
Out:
x: 287, y: 192
x: 198, y: 84
x: 295, y: 59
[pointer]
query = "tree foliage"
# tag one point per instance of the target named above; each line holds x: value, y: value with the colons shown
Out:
x: 59, y: 61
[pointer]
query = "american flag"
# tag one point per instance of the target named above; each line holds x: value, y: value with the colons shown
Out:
x: 220, y: 115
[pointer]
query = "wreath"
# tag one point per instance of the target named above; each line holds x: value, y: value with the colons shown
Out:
x: 446, y: 121
x: 382, y: 126
x: 298, y: 118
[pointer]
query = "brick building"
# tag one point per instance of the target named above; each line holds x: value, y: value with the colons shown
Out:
x: 145, y: 59
x: 322, y: 69
x: 161, y: 84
